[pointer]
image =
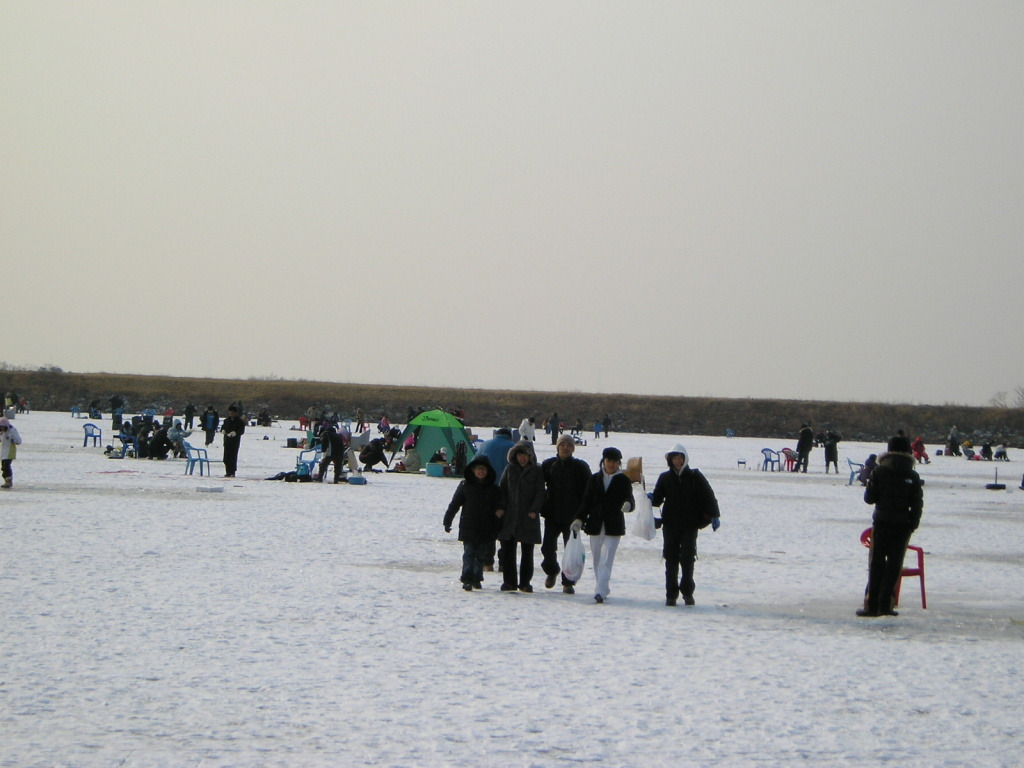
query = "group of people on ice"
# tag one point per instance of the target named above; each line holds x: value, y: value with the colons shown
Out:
x: 570, y: 499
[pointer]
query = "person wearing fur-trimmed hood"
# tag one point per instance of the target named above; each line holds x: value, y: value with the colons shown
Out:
x: 479, y: 498
x: 687, y: 504
x: 522, y: 499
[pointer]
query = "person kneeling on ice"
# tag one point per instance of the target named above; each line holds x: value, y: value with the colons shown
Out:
x: 606, y: 499
x: 478, y: 497
x: 687, y: 505
x: 9, y: 442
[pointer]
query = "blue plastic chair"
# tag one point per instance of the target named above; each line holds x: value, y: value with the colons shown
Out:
x: 127, y: 444
x: 772, y: 460
x: 855, y: 469
x: 75, y: 411
x: 92, y: 432
x: 308, y: 461
x: 195, y: 456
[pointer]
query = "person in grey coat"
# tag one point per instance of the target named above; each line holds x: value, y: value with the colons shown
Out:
x: 522, y: 498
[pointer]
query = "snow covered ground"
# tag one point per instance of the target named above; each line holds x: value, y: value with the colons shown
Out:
x: 145, y: 623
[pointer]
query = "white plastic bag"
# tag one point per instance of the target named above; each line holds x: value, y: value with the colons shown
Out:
x: 643, y: 526
x: 574, y: 557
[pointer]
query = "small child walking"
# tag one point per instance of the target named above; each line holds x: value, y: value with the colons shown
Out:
x: 478, y: 496
x: 9, y: 442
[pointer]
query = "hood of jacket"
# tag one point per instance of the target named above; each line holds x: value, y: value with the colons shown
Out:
x: 479, y: 461
x: 523, y: 446
x: 898, y: 462
x: 678, y: 448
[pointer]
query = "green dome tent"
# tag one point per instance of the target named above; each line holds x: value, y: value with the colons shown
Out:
x: 436, y: 429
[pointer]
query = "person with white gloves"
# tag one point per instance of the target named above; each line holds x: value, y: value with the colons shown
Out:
x: 606, y: 499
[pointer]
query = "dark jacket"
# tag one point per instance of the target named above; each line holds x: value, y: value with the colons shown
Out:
x: 805, y: 440
x: 686, y: 499
x: 602, y: 507
x: 210, y: 421
x: 896, y: 491
x: 831, y: 446
x: 478, y: 500
x: 565, y: 480
x: 234, y: 424
x: 332, y: 442
x: 522, y: 492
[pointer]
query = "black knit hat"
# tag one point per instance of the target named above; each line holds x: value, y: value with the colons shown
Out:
x: 899, y: 444
x: 613, y: 454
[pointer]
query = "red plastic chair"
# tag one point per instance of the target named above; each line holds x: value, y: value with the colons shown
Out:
x: 865, y: 539
x: 789, y: 456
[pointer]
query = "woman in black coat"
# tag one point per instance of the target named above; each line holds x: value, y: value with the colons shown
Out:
x: 522, y: 498
x: 606, y: 499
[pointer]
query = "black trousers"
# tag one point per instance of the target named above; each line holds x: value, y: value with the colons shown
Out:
x: 507, y: 558
x: 549, y: 548
x: 885, y: 562
x: 679, y: 551
x: 339, y: 466
x: 231, y: 454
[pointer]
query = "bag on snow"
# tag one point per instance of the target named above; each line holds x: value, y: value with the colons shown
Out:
x: 643, y: 526
x: 574, y: 557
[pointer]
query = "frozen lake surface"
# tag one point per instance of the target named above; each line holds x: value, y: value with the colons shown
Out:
x: 276, y: 624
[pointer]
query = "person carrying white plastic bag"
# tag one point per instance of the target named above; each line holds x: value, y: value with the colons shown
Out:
x: 574, y: 557
x: 687, y: 505
x: 606, y: 500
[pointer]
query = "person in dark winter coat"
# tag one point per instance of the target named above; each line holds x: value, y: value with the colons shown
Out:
x: 606, y: 500
x: 804, y: 443
x: 210, y: 421
x: 233, y: 429
x: 479, y: 499
x: 496, y: 450
x: 687, y: 504
x: 522, y: 499
x: 160, y: 444
x: 831, y: 445
x: 565, y: 478
x: 333, y: 450
x: 897, y: 492
x: 373, y: 453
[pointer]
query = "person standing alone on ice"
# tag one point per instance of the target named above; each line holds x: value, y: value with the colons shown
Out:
x: 10, y: 439
x: 602, y: 516
x: 687, y: 505
x: 804, y: 443
x: 233, y: 429
x: 897, y: 492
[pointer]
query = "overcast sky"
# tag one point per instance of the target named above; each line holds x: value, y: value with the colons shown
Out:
x: 817, y: 200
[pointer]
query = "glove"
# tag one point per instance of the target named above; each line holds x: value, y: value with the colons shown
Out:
x: 715, y: 522
x: 447, y: 529
x: 657, y: 523
x: 650, y: 495
x: 626, y: 507
x: 577, y: 526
